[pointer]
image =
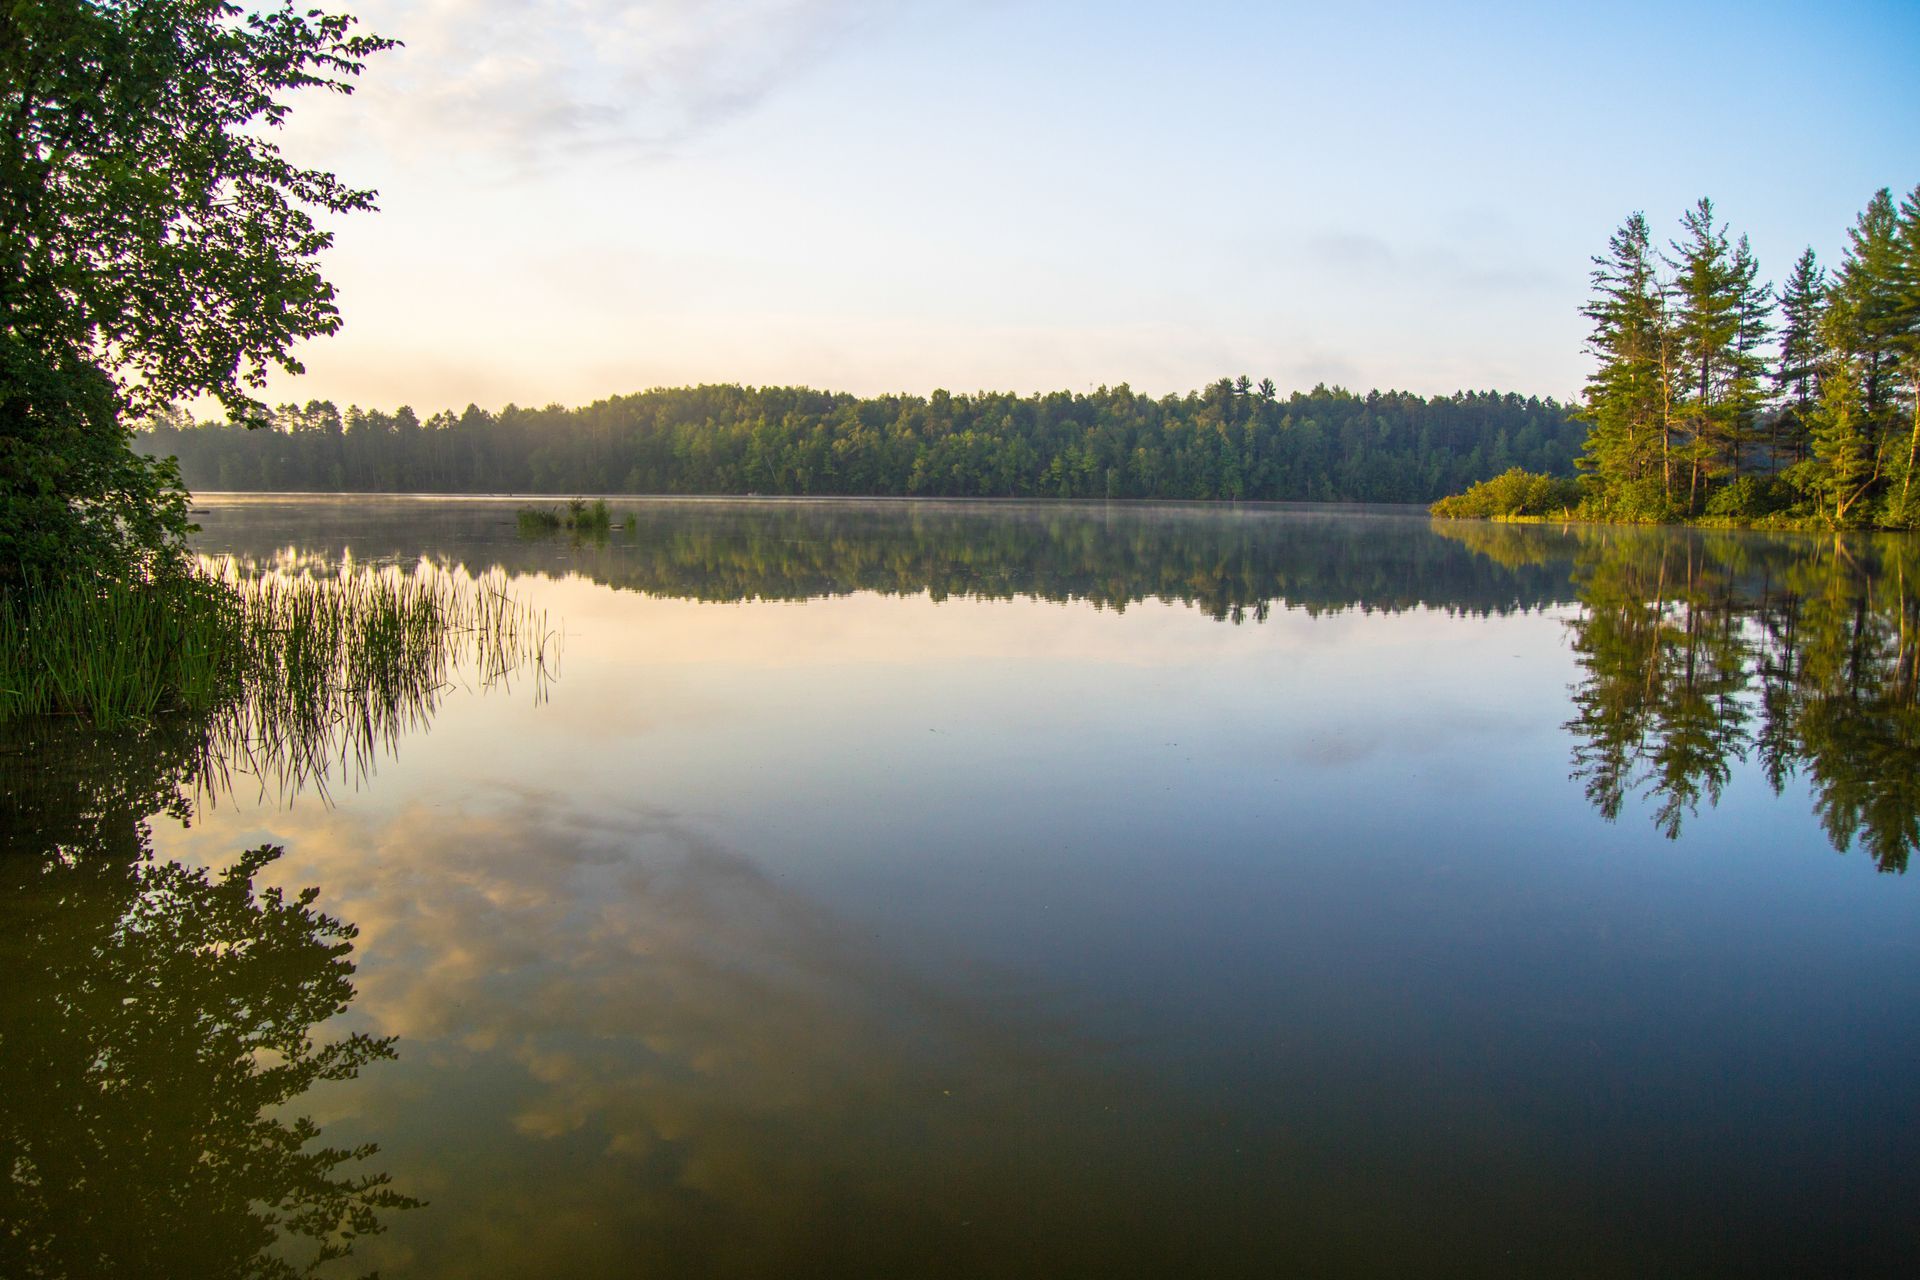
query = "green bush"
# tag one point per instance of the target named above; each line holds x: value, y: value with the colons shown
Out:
x: 1642, y: 501
x: 581, y: 516
x: 1512, y: 493
x: 1750, y: 497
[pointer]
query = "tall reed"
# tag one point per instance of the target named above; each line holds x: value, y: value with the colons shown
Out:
x: 115, y: 651
x: 289, y: 674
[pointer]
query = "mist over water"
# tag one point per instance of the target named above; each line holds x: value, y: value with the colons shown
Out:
x: 967, y: 888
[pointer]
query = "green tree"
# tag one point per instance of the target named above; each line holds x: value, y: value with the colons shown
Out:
x: 1856, y: 413
x: 1720, y: 319
x: 1796, y: 377
x: 1630, y: 394
x: 155, y: 245
x: 1903, y: 337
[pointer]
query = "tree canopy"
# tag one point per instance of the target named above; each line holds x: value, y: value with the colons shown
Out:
x: 1709, y: 399
x: 155, y: 245
x: 1233, y: 440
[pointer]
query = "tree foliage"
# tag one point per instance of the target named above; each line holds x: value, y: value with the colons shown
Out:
x: 1234, y: 440
x: 1692, y: 411
x: 155, y: 244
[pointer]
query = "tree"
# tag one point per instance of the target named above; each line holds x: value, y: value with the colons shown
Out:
x: 1903, y: 337
x: 1857, y: 414
x: 1720, y: 318
x: 1796, y: 377
x: 1630, y: 394
x: 155, y: 245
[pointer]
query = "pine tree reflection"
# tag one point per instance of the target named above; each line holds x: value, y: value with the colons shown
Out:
x: 156, y: 1029
x: 1698, y: 652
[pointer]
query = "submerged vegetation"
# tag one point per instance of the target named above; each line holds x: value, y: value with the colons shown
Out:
x: 1715, y: 401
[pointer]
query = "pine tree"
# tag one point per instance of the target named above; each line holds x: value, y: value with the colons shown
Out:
x: 1747, y: 370
x: 1903, y: 338
x: 1845, y: 462
x: 1721, y: 316
x: 1854, y: 437
x: 1629, y: 393
x: 1868, y: 282
x: 1796, y: 377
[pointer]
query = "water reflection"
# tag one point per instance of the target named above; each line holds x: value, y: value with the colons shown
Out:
x: 647, y: 1054
x: 1699, y: 652
x: 1696, y: 651
x: 349, y: 659
x: 1233, y: 565
x: 157, y: 1033
x: 886, y: 936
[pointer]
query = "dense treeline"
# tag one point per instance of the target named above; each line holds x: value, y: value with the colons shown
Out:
x: 1714, y: 397
x: 1235, y: 440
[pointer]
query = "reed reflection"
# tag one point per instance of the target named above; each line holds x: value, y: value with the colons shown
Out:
x: 1700, y: 652
x: 158, y: 1032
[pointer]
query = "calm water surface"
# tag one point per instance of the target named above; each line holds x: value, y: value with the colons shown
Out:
x: 1011, y: 889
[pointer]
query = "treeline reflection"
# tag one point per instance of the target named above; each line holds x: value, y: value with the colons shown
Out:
x: 1698, y: 652
x: 158, y: 1030
x: 1232, y: 564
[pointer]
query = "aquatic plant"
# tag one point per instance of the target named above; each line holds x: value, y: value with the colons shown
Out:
x: 342, y: 666
x: 589, y: 517
x: 282, y: 675
x: 580, y: 517
x: 534, y: 521
x: 115, y: 651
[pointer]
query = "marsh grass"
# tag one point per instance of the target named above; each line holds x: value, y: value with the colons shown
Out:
x: 114, y: 651
x: 287, y: 677
x: 580, y: 517
x: 533, y: 521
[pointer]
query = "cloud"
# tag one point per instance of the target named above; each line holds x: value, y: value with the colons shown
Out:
x: 1464, y: 265
x: 530, y: 81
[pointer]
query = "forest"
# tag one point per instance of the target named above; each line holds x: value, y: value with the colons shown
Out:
x: 1234, y: 440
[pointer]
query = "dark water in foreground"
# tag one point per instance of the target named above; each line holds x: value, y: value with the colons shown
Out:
x: 1011, y: 890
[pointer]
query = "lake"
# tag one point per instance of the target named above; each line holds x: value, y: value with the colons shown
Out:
x: 894, y: 888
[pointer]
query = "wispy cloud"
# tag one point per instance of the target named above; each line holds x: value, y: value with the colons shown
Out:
x: 1465, y: 265
x: 528, y: 81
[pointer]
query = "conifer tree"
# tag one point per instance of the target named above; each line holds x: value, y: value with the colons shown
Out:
x: 1719, y: 319
x: 1796, y: 377
x: 1853, y: 439
x: 1747, y: 370
x: 1630, y: 392
x: 1845, y: 462
x: 1903, y: 336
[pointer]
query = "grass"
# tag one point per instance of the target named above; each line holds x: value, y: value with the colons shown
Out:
x: 534, y: 521
x: 285, y: 674
x: 117, y: 651
x: 580, y: 517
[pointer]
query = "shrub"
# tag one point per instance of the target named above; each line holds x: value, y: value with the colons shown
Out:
x: 1512, y: 493
x: 1750, y: 497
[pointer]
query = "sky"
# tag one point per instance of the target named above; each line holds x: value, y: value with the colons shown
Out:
x: 585, y: 198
